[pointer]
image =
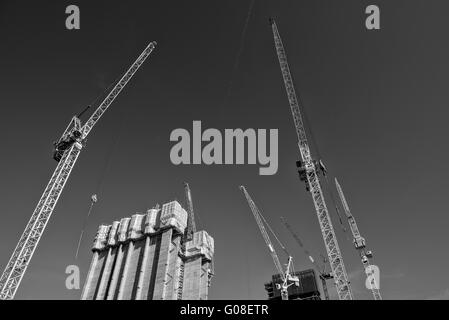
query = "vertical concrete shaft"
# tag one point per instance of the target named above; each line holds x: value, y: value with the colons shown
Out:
x: 146, y: 269
x: 171, y: 282
x: 94, y: 275
x: 179, y: 279
x: 162, y: 266
x: 192, y: 272
x: 128, y: 285
x: 116, y: 275
x: 106, y: 274
x: 204, y: 280
x: 124, y: 275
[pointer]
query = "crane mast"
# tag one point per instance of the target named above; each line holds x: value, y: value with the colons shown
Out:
x: 67, y: 150
x: 359, y: 243
x: 285, y: 275
x: 191, y: 226
x: 309, y: 174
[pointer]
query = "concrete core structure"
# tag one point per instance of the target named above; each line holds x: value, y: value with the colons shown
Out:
x: 145, y: 258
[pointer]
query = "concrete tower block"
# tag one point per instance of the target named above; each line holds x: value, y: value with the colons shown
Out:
x: 151, y: 220
x: 136, y: 227
x: 113, y: 236
x: 101, y: 237
x: 173, y: 215
x: 142, y: 258
x: 201, y: 244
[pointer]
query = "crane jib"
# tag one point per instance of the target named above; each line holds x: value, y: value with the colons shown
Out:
x: 311, y: 177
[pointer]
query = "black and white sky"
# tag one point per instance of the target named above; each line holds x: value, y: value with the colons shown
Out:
x: 376, y: 100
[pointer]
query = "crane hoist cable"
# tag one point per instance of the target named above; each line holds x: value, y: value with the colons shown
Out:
x: 239, y: 52
x: 93, y: 200
x: 300, y: 243
x: 100, y: 183
x: 323, y: 275
x: 274, y: 234
x: 97, y: 98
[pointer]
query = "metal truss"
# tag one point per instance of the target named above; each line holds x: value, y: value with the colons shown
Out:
x: 327, y: 230
x: 21, y: 257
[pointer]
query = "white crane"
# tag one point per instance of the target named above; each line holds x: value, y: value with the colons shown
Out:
x: 286, y: 276
x: 309, y: 170
x: 324, y: 276
x: 67, y: 150
x: 360, y: 245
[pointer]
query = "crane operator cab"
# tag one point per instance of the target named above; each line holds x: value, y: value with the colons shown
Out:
x: 71, y: 135
x: 302, y: 171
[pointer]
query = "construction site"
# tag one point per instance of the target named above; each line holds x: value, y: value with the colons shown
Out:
x: 147, y: 256
x: 294, y: 237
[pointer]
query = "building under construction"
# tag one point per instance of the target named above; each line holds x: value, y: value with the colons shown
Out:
x: 307, y: 288
x: 148, y: 257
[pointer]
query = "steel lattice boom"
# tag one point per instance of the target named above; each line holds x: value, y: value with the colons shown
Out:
x: 67, y: 150
x: 285, y: 275
x: 360, y: 244
x: 312, y: 180
x: 191, y: 225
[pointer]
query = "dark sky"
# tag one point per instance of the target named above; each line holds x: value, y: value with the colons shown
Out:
x: 377, y: 102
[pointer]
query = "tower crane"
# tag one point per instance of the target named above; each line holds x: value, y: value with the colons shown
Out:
x: 286, y: 275
x: 360, y: 244
x: 309, y: 169
x: 324, y: 276
x: 191, y: 226
x: 67, y: 150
